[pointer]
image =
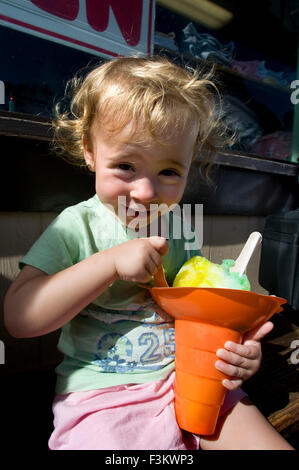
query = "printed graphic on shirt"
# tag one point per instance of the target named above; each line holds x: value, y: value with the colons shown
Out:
x: 145, y: 347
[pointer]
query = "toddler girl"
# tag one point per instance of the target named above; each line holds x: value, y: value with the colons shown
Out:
x: 138, y: 124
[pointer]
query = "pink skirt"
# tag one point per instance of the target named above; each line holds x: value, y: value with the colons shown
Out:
x: 124, y: 417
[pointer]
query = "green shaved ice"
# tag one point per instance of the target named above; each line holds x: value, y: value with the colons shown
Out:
x: 236, y: 281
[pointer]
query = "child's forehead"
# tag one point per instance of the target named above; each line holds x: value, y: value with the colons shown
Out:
x: 136, y: 132
x: 140, y: 113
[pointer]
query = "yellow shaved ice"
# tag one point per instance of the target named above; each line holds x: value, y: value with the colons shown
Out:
x: 200, y: 272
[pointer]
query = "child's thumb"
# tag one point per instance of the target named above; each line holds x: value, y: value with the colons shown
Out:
x: 160, y: 244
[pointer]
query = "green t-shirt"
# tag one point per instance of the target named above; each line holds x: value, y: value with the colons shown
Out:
x: 118, y: 338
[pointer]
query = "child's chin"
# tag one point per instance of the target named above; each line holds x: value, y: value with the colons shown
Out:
x: 137, y: 223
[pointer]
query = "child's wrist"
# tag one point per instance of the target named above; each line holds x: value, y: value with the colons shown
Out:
x: 110, y: 263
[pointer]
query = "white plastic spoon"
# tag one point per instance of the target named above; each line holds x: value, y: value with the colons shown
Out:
x: 243, y: 259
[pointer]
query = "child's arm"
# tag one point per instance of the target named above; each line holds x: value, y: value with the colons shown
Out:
x: 37, y: 303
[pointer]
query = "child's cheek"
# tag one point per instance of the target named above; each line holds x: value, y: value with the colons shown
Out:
x: 175, y: 192
x: 111, y: 188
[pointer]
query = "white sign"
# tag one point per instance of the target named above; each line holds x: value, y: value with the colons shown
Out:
x: 108, y: 28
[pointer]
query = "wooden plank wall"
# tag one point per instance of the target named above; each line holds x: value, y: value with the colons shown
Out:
x: 18, y: 232
x: 224, y: 237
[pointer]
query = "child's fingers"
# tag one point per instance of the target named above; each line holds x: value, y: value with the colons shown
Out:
x: 250, y: 350
x: 151, y: 266
x: 259, y: 332
x: 160, y: 244
x: 236, y: 375
x: 155, y: 260
x: 232, y: 384
x: 238, y: 372
x: 232, y: 358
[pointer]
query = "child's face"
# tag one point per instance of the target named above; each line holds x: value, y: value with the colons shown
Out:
x: 147, y: 173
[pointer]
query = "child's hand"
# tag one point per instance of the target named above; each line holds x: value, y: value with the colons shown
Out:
x: 242, y: 361
x: 137, y: 260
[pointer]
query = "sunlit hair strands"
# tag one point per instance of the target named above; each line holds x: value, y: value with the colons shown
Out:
x: 153, y: 94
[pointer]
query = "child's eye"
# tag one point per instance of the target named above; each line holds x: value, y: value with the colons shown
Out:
x: 169, y: 172
x: 125, y: 166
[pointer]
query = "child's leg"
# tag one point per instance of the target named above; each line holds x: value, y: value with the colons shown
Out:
x: 244, y: 428
x: 121, y: 417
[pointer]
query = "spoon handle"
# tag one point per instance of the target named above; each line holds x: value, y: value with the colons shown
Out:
x: 243, y: 259
x: 159, y: 277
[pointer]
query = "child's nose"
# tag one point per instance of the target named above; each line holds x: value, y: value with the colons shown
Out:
x: 144, y: 190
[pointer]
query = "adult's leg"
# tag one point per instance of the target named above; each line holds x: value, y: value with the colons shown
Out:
x: 244, y: 428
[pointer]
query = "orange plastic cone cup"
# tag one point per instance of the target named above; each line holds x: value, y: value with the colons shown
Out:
x: 205, y: 318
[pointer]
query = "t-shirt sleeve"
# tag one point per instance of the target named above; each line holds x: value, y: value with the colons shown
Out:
x: 58, y: 246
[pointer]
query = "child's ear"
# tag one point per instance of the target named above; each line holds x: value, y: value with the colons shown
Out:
x: 88, y: 152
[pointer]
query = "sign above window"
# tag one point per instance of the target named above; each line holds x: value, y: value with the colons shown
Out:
x: 108, y: 28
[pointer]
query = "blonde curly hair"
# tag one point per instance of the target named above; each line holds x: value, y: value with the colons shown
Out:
x: 152, y: 93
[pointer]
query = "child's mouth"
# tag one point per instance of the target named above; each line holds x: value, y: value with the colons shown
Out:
x: 138, y: 213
